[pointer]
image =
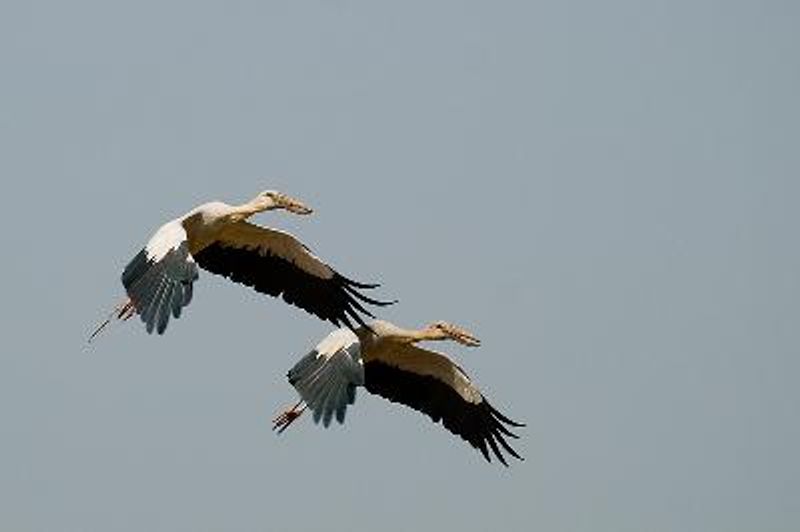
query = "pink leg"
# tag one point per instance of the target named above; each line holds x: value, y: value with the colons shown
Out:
x: 283, y: 420
x: 123, y: 311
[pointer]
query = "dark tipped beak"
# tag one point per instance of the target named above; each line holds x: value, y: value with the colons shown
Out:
x: 298, y: 208
x: 470, y: 340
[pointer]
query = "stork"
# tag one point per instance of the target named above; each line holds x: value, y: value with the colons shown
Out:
x: 385, y: 360
x: 218, y: 238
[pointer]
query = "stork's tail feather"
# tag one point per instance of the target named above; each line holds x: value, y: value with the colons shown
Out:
x: 121, y: 312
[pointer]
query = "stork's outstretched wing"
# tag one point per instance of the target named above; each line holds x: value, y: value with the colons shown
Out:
x: 277, y: 264
x: 431, y: 383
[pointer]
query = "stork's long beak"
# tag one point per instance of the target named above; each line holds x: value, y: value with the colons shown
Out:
x: 294, y: 206
x: 467, y: 339
x: 460, y: 335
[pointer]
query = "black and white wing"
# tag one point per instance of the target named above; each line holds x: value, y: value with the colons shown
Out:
x: 277, y: 264
x: 431, y: 383
x: 159, y: 278
x: 327, y: 377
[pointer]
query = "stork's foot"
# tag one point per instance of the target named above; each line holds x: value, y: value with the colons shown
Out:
x: 125, y: 310
x: 283, y: 420
x: 122, y: 312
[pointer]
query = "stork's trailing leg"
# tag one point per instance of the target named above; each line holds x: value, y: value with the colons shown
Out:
x: 283, y: 420
x: 122, y: 312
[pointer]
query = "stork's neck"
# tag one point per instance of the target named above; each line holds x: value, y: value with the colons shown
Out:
x: 246, y: 210
x: 426, y: 334
x: 412, y: 336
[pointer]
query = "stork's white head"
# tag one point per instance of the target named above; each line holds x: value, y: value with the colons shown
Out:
x: 272, y: 199
x: 443, y: 330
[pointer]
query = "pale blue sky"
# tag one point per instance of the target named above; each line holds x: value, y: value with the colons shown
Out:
x: 605, y: 192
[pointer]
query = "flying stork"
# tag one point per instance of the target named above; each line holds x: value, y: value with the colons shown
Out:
x: 383, y: 358
x: 218, y: 238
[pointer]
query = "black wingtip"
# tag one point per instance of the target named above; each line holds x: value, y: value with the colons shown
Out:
x: 496, y: 450
x: 357, y: 284
x: 366, y: 299
x: 360, y: 308
x: 351, y: 285
x: 503, y: 418
x: 508, y: 447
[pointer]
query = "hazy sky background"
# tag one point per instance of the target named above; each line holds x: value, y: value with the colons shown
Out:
x: 605, y: 192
